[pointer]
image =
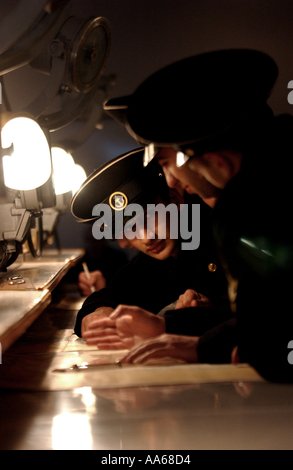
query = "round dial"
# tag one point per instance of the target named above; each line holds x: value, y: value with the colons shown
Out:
x: 89, y: 54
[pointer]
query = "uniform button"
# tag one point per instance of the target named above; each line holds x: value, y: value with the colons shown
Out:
x: 212, y: 267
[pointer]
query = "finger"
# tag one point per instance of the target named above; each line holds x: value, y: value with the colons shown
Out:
x: 99, y: 333
x: 190, y: 296
x: 124, y: 321
x: 195, y: 295
x: 142, y: 357
x: 109, y: 347
x: 102, y: 323
x: 118, y: 312
x: 99, y: 285
x: 84, y: 287
x: 235, y: 359
x: 110, y: 340
x: 143, y: 350
x: 186, y: 303
x: 86, y: 292
x: 83, y: 282
x: 107, y: 339
x: 179, y: 303
x: 123, y: 310
x: 97, y: 274
x: 82, y: 279
x: 99, y: 281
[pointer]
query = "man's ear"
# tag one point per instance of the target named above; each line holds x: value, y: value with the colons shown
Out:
x: 218, y: 168
x: 176, y: 197
x: 217, y: 159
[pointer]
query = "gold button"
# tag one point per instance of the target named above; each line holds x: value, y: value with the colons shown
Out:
x: 189, y: 152
x: 212, y: 267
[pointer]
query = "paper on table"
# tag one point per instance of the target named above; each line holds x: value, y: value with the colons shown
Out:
x: 37, y: 373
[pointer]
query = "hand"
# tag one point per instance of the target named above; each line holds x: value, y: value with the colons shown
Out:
x: 125, y: 327
x: 235, y: 359
x: 97, y: 281
x: 191, y: 298
x: 102, y: 312
x: 175, y: 346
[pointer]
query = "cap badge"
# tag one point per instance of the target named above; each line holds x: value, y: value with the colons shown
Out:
x: 212, y: 267
x: 118, y: 201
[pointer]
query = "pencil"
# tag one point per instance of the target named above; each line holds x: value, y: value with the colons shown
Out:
x: 88, y: 276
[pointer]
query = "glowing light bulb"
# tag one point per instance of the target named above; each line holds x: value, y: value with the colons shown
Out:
x: 29, y: 165
x: 78, y: 178
x: 63, y: 168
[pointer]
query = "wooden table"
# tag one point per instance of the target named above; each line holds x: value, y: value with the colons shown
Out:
x: 118, y: 410
x: 25, y: 290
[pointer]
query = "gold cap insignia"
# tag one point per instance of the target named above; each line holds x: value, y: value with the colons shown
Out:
x: 212, y: 267
x: 118, y: 201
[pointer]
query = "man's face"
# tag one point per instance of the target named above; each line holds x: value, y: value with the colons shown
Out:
x: 151, y: 244
x: 160, y: 249
x: 149, y: 240
x: 190, y: 180
x: 218, y: 168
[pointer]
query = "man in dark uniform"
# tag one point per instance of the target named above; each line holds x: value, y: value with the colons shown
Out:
x: 162, y: 271
x: 211, y: 112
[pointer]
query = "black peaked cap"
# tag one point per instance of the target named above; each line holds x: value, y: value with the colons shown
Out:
x: 196, y: 97
x: 124, y: 174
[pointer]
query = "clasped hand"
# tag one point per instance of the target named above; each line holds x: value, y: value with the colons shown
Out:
x: 122, y: 328
x: 139, y: 331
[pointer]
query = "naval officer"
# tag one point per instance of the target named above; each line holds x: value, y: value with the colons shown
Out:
x: 210, y: 114
x: 162, y: 272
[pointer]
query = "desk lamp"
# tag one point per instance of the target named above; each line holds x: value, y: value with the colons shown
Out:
x: 67, y: 177
x: 27, y: 171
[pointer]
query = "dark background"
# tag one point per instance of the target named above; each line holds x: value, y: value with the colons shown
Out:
x: 149, y: 34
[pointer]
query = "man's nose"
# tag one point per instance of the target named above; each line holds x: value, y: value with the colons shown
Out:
x: 146, y: 235
x: 171, y: 181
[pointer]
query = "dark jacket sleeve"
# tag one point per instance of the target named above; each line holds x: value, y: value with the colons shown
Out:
x: 195, y: 321
x: 216, y: 327
x: 253, y: 230
x: 216, y: 345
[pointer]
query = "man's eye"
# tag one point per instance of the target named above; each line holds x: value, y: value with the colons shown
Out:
x: 162, y: 163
